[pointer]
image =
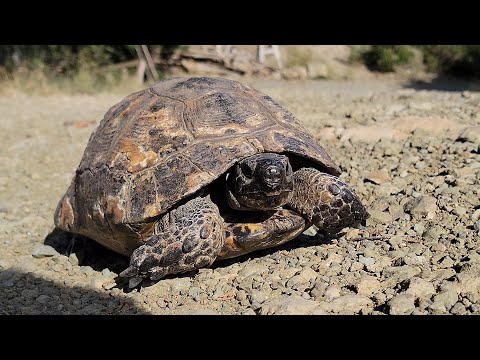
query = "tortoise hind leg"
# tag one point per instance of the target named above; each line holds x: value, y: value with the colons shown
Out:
x: 251, y: 233
x: 325, y: 200
x: 187, y: 238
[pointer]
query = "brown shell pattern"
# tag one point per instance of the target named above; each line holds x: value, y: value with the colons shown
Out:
x: 159, y: 145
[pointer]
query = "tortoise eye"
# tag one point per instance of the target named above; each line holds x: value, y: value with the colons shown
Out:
x: 246, y: 170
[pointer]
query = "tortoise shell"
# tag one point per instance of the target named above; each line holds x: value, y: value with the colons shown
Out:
x: 160, y: 145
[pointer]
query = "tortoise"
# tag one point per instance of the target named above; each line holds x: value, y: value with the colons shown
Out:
x: 193, y: 170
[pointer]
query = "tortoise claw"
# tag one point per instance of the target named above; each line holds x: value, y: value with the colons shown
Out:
x: 131, y: 271
x: 158, y: 274
x: 361, y: 225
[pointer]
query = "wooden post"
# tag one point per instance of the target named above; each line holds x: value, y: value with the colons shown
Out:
x: 151, y: 65
x: 142, y: 65
x: 264, y: 50
x: 145, y: 65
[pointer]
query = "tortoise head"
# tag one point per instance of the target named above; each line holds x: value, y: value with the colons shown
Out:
x: 260, y: 182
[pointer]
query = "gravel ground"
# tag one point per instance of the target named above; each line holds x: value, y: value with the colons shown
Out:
x: 412, y: 155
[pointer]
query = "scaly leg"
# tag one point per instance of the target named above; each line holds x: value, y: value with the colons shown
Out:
x: 326, y: 201
x: 187, y: 238
x: 253, y: 232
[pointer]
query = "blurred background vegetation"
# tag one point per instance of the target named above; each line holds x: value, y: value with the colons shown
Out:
x: 70, y: 68
x: 62, y: 59
x: 92, y: 68
x: 461, y: 61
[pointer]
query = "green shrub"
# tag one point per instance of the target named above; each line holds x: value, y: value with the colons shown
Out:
x: 385, y: 58
x: 457, y: 60
x: 357, y: 53
x: 70, y: 68
x: 62, y: 59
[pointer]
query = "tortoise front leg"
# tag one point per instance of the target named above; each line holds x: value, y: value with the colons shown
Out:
x: 187, y: 238
x: 253, y: 233
x: 326, y: 201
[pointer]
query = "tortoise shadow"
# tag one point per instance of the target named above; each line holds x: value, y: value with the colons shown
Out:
x: 444, y: 83
x: 88, y: 252
x: 27, y: 294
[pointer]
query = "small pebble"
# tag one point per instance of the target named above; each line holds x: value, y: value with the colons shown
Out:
x: 43, y: 299
x: 476, y: 215
x: 73, y: 259
x: 419, y: 229
x: 402, y: 304
x: 366, y: 260
x: 476, y: 226
x: 460, y: 211
x: 41, y: 251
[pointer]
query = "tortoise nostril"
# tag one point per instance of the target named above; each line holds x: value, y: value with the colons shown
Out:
x: 273, y: 174
x: 273, y: 171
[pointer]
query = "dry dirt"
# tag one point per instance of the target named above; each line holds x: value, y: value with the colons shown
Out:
x: 399, y: 146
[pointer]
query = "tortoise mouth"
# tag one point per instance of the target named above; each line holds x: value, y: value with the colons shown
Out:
x: 263, y: 192
x: 273, y: 193
x: 264, y: 200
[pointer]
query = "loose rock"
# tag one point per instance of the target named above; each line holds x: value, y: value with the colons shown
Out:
x: 401, y: 304
x: 424, y: 207
x: 43, y: 299
x: 366, y: 260
x: 203, y: 312
x: 293, y: 305
x: 332, y: 292
x: 41, y: 251
x: 445, y: 299
x: 395, y: 275
x: 380, y: 217
x: 471, y: 134
x: 420, y: 288
x: 367, y: 285
x: 350, y: 304
x: 476, y: 226
x: 378, y: 176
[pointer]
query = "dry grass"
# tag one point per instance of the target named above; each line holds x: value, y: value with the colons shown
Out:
x: 298, y: 56
x: 83, y: 82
